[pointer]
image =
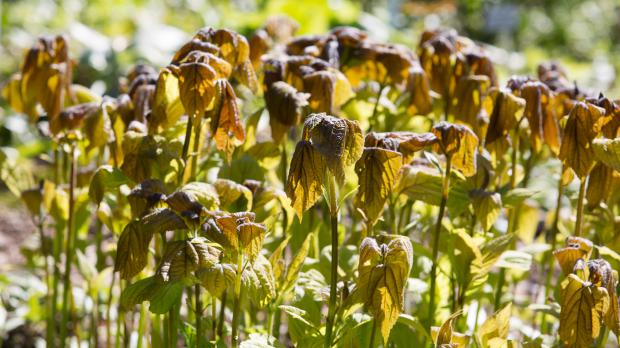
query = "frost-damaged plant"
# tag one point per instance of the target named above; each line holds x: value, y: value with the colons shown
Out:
x: 328, y: 147
x: 183, y: 183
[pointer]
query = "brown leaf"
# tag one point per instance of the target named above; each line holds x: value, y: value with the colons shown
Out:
x: 377, y: 171
x: 460, y: 143
x: 583, y: 125
x: 305, y: 177
x: 225, y: 123
x: 506, y: 111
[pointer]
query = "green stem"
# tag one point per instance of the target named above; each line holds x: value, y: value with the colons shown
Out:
x: 442, y: 208
x: 220, y: 320
x: 237, y: 303
x: 108, y: 322
x: 214, y: 317
x: 372, y: 333
x: 549, y: 255
x: 284, y: 164
x: 375, y: 109
x: 199, y: 337
x: 334, y: 266
x: 186, y: 141
x: 579, y: 222
x: 196, y: 148
x: 69, y: 249
x: 141, y: 325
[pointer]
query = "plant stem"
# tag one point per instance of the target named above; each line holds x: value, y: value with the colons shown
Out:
x: 186, y: 141
x: 198, y: 316
x: 334, y: 269
x: 549, y: 256
x: 237, y: 302
x: 141, y: 325
x: 214, y: 317
x: 372, y: 333
x: 196, y: 148
x: 284, y: 164
x: 373, y: 117
x: 442, y: 208
x: 69, y: 249
x: 579, y: 221
x: 220, y: 320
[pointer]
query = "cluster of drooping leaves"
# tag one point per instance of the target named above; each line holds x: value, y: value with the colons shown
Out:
x: 416, y: 151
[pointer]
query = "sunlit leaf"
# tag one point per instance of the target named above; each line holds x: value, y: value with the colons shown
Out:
x: 377, y: 171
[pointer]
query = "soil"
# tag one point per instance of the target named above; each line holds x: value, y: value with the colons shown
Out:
x: 16, y: 228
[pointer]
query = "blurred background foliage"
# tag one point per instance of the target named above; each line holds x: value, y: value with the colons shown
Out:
x: 107, y: 36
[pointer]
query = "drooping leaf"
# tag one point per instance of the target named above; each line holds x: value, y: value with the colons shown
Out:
x: 305, y: 178
x: 583, y: 307
x: 602, y: 275
x: 132, y: 250
x: 377, y: 171
x: 251, y: 237
x: 583, y: 125
x: 487, y: 206
x: 507, y: 110
x: 459, y: 143
x: 445, y: 335
x: 226, y: 125
x: 167, y: 106
x: 383, y: 273
x: 339, y: 141
x: 407, y: 143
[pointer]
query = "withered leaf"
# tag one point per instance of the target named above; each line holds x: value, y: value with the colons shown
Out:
x: 506, y: 111
x: 468, y: 98
x: 583, y: 307
x: 583, y: 125
x: 225, y: 124
x: 305, y: 178
x: 459, y: 143
x: 383, y: 273
x: 407, y: 143
x: 339, y: 141
x: 377, y: 171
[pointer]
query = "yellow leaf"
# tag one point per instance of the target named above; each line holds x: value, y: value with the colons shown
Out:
x: 583, y: 306
x: 507, y: 111
x: 383, y: 273
x: 377, y: 171
x: 305, y: 177
x: 487, y: 206
x: 459, y: 143
x: 496, y: 326
x: 608, y: 151
x: 583, y: 125
x: 251, y: 237
x: 225, y: 122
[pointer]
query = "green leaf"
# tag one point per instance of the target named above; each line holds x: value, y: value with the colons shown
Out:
x: 487, y: 206
x: 105, y: 178
x: 138, y: 292
x: 608, y: 151
x: 166, y: 296
x: 516, y: 196
x: 132, y: 250
x: 217, y: 278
